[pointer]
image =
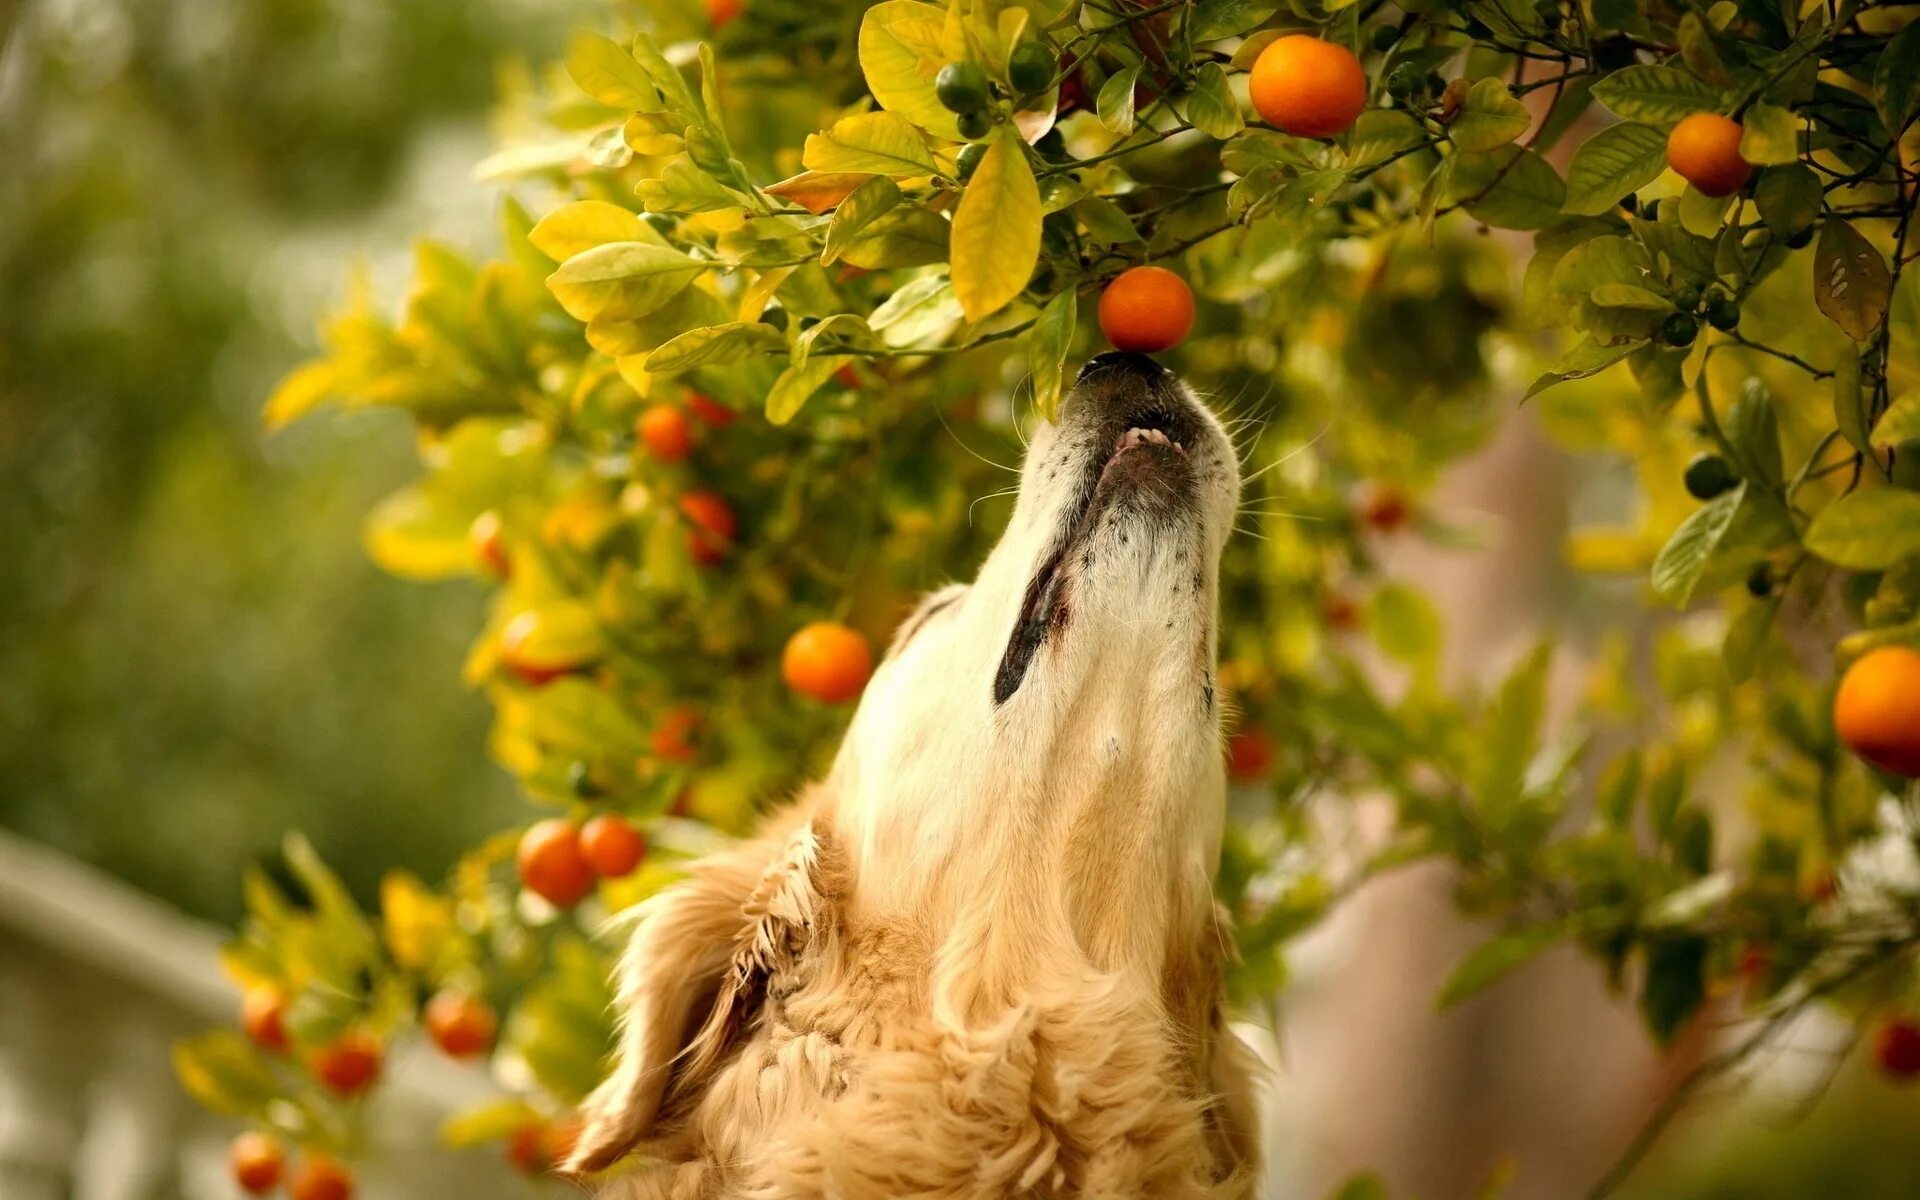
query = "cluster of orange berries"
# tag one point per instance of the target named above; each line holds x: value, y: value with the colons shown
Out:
x: 560, y: 861
x: 259, y: 1164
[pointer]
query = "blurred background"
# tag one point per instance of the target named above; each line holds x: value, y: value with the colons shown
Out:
x: 198, y: 655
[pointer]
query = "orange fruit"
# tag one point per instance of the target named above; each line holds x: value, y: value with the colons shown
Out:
x: 1307, y: 87
x: 460, y: 1023
x: 1339, y: 612
x: 611, y: 845
x: 1896, y: 1047
x: 263, y: 1016
x: 666, y: 432
x: 552, y: 865
x: 1146, y: 309
x: 350, y: 1064
x: 672, y: 738
x: 486, y: 537
x: 527, y: 1149
x: 710, y: 410
x: 847, y: 377
x: 255, y: 1161
x: 827, y: 661
x: 1385, y: 508
x: 720, y: 13
x: 1876, y: 711
x: 1250, y: 754
x: 1704, y: 150
x: 713, y: 526
x: 321, y: 1178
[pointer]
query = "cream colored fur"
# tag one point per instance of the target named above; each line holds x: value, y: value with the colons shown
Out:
x: 981, y: 958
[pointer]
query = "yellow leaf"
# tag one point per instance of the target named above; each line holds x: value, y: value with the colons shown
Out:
x: 901, y: 50
x: 418, y: 923
x: 305, y: 388
x: 605, y: 71
x: 414, y: 534
x: 881, y: 143
x: 621, y: 280
x: 578, y: 227
x: 996, y: 230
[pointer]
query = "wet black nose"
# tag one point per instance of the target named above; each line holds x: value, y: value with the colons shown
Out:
x: 1121, y: 360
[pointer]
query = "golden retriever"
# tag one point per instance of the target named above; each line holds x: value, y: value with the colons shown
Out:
x: 982, y: 957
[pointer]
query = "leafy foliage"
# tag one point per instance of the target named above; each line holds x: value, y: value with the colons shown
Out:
x: 814, y: 258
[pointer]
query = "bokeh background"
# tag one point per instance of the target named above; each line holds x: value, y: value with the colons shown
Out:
x: 197, y: 655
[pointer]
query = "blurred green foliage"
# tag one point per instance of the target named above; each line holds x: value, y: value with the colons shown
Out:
x: 197, y: 655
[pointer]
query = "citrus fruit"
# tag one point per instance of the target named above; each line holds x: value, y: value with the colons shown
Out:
x: 460, y: 1023
x: 1146, y: 309
x: 720, y: 13
x: 1030, y: 68
x: 611, y: 845
x: 666, y: 433
x: 1704, y: 150
x: 321, y: 1178
x: 962, y: 87
x: 826, y: 661
x: 487, y: 537
x: 1307, y: 87
x: 1876, y: 711
x: 551, y: 863
x: 255, y: 1160
x: 350, y: 1064
x: 1709, y: 475
x: 713, y: 526
x: 714, y: 413
x: 672, y: 738
x: 1896, y: 1047
x: 263, y: 1012
x: 1250, y: 753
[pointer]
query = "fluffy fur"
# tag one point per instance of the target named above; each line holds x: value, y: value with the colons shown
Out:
x: 981, y: 959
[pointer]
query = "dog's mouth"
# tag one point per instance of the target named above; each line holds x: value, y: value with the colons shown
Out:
x: 1133, y: 410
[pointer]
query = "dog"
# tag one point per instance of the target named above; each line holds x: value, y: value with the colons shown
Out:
x: 981, y: 958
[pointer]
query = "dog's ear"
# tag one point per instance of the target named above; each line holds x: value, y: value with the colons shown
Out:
x: 694, y: 977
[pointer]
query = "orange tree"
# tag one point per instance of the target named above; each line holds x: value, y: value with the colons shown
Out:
x: 777, y: 286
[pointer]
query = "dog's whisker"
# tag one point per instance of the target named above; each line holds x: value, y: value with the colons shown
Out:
x: 1014, y: 490
x: 1289, y: 455
x: 959, y: 441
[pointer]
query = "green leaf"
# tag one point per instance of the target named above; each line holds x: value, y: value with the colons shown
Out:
x: 1676, y: 982
x: 715, y: 345
x: 621, y: 280
x: 1627, y: 295
x: 923, y: 308
x: 1867, y: 530
x: 1788, y: 198
x: 1754, y: 434
x: 1210, y: 106
x: 902, y: 48
x: 1698, y: 51
x: 1047, y: 346
x: 908, y: 236
x: 225, y: 1073
x: 1617, y: 160
x: 1493, y: 960
x: 1404, y: 624
x: 861, y: 208
x: 1489, y: 118
x: 1851, y: 283
x: 1378, y: 134
x: 996, y: 230
x: 1365, y: 1186
x: 1900, y: 423
x: 1747, y: 637
x: 605, y: 71
x: 1682, y: 562
x: 1114, y: 104
x: 1771, y: 138
x: 1896, y: 80
x: 1512, y: 735
x: 1587, y: 358
x: 1850, y: 401
x: 1216, y: 19
x: 1655, y: 95
x: 490, y: 1122
x: 1106, y: 224
x: 881, y: 143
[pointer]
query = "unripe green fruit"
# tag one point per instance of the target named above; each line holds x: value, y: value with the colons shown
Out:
x: 970, y: 156
x: 975, y: 125
x: 1403, y: 81
x: 1679, y: 329
x: 1723, y: 314
x: 1760, y: 583
x: 1709, y: 475
x: 963, y: 87
x: 1687, y: 299
x: 1383, y: 37
x: 1030, y: 68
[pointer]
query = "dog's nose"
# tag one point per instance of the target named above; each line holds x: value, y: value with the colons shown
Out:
x: 1121, y: 360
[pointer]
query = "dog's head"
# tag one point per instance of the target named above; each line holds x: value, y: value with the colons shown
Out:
x: 1032, y: 782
